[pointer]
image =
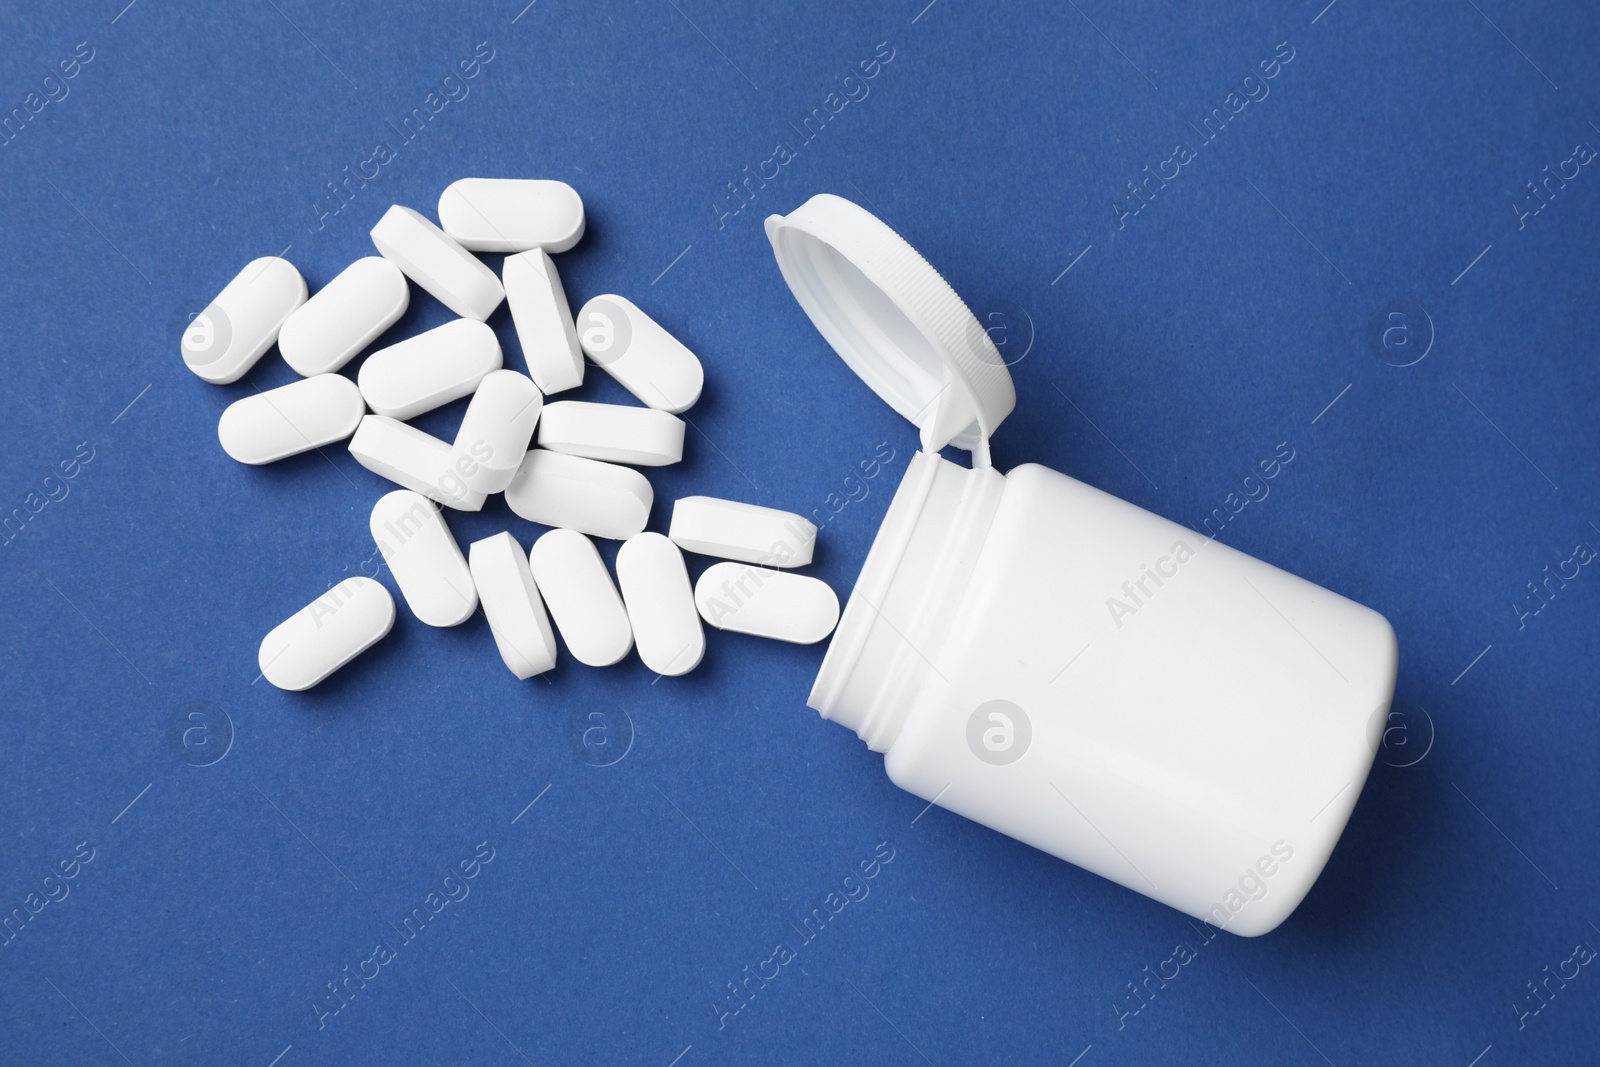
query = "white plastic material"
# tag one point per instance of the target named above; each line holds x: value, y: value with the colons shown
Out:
x: 237, y: 328
x: 544, y: 322
x: 429, y: 370
x: 415, y: 460
x: 767, y: 603
x: 634, y: 349
x: 326, y: 634
x: 424, y: 558
x: 511, y: 603
x: 748, y: 533
x: 660, y: 602
x: 495, y: 431
x: 615, y: 433
x: 570, y: 574
x: 344, y: 316
x: 431, y: 258
x: 511, y: 214
x: 599, y: 499
x: 290, y: 419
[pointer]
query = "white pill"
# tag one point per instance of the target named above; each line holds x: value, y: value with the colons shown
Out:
x: 424, y: 558
x: 644, y: 437
x: 599, y: 499
x: 633, y: 348
x: 766, y: 603
x: 511, y: 214
x: 292, y: 418
x: 544, y: 321
x: 326, y: 634
x: 235, y: 329
x: 570, y: 574
x: 344, y: 316
x: 431, y: 258
x: 511, y: 603
x: 431, y: 369
x: 661, y: 609
x: 745, y: 532
x: 413, y: 459
x: 495, y: 431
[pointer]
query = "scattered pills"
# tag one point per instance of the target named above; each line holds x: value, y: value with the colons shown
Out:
x: 511, y: 214
x: 431, y: 258
x: 766, y: 603
x: 615, y: 433
x: 634, y: 349
x: 570, y: 574
x: 744, y: 532
x: 661, y: 608
x: 429, y: 370
x: 511, y: 603
x: 544, y: 321
x: 344, y: 316
x: 599, y: 499
x: 413, y: 459
x: 424, y: 558
x: 235, y: 329
x: 326, y: 634
x: 290, y: 419
x: 496, y: 430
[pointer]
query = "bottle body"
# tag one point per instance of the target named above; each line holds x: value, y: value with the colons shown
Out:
x: 1111, y: 687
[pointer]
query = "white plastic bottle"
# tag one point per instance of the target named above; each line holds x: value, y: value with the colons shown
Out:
x: 1205, y: 748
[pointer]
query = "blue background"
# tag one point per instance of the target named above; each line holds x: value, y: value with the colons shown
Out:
x: 703, y: 816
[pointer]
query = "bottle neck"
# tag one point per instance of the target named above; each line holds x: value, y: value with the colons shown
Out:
x: 891, y: 640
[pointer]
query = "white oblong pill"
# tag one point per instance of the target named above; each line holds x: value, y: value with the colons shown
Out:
x: 431, y: 369
x: 572, y: 577
x: 432, y: 258
x: 599, y: 499
x: 292, y: 418
x: 511, y: 214
x: 344, y: 316
x: 660, y: 603
x: 424, y: 558
x: 235, y: 329
x: 615, y: 433
x: 511, y: 603
x: 634, y: 349
x: 413, y: 459
x: 748, y: 533
x: 543, y: 320
x: 495, y: 431
x: 326, y: 634
x: 766, y: 603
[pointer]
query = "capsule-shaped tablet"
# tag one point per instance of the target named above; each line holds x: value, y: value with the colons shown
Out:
x: 292, y: 418
x: 634, y: 349
x: 495, y: 431
x: 745, y: 532
x: 431, y: 258
x: 326, y: 634
x: 424, y: 558
x: 429, y: 370
x: 615, y: 433
x: 582, y: 600
x: 511, y: 214
x: 599, y: 499
x: 344, y: 316
x: 411, y: 458
x: 660, y: 603
x: 512, y: 604
x: 766, y: 603
x: 544, y: 321
x: 235, y: 329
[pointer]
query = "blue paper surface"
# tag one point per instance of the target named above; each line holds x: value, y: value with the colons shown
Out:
x: 1384, y: 253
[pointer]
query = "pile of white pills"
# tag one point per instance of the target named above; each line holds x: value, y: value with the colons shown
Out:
x: 567, y: 464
